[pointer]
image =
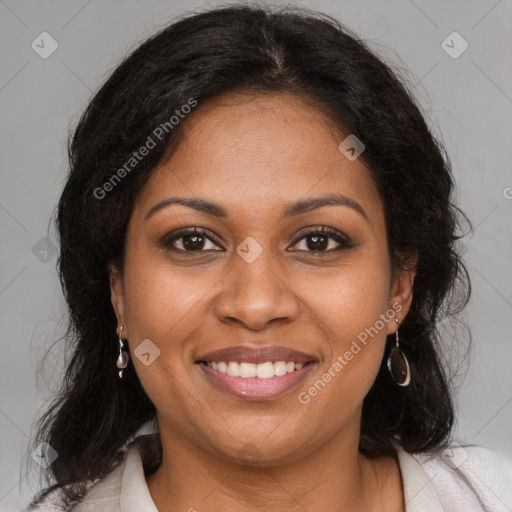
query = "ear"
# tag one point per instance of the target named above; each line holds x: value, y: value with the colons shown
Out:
x: 117, y: 296
x: 401, y: 289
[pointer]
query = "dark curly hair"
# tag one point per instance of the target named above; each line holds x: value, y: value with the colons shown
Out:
x: 254, y: 49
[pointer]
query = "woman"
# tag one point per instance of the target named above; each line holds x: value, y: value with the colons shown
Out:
x: 257, y: 242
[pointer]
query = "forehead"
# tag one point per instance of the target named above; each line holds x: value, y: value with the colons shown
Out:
x: 252, y: 151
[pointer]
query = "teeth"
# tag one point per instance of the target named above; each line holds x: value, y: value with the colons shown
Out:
x: 234, y: 369
x: 247, y: 370
x: 280, y: 368
x: 265, y: 370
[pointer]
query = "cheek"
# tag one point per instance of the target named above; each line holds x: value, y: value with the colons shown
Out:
x: 158, y: 299
x: 162, y: 306
x: 351, y: 299
x: 351, y: 307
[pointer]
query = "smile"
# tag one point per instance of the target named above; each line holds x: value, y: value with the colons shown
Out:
x: 248, y: 370
x: 256, y: 373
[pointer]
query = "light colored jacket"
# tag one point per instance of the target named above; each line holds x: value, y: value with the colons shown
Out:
x: 460, y: 479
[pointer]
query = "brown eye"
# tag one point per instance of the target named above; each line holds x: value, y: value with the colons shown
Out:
x: 191, y: 240
x: 317, y: 242
x: 324, y: 240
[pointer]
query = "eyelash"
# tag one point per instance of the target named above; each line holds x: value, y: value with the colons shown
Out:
x: 343, y: 241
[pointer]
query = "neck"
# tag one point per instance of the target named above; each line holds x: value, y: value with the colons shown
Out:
x: 332, y: 477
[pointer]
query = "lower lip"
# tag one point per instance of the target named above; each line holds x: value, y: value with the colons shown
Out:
x: 255, y: 388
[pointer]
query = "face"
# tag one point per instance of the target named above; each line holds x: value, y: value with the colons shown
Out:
x: 257, y: 270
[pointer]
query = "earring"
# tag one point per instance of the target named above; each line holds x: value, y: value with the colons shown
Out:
x: 398, y: 364
x: 123, y: 357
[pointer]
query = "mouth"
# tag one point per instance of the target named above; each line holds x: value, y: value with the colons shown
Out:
x: 256, y: 374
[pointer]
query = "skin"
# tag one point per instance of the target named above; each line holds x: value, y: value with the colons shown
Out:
x: 254, y: 155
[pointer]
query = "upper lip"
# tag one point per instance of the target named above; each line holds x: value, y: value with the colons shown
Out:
x: 256, y: 355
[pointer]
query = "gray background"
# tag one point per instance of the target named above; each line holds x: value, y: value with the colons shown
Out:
x: 467, y: 101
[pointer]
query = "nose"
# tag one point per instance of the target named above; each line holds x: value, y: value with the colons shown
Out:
x: 254, y: 295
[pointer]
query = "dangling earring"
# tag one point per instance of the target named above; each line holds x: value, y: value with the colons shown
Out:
x: 123, y: 357
x: 398, y: 364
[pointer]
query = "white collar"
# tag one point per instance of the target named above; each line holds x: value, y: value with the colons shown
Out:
x: 419, y: 493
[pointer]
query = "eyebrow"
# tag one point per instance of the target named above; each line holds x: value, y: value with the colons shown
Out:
x: 291, y: 210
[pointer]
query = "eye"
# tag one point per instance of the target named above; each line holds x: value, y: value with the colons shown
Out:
x: 321, y: 240
x: 191, y: 240
x: 324, y: 240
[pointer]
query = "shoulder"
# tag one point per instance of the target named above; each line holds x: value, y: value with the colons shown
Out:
x: 105, y: 494
x: 100, y: 495
x: 469, y: 476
